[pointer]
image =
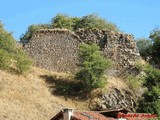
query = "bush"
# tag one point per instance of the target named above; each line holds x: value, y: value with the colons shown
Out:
x: 5, y: 60
x: 23, y: 62
x: 150, y: 102
x: 93, y: 65
x: 31, y: 30
x: 7, y: 42
x: 61, y: 21
x: 64, y: 21
x: 155, y: 38
x: 134, y: 83
x: 153, y: 77
x: 11, y: 56
x: 93, y: 21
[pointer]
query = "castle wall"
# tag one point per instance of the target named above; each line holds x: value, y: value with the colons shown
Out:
x: 57, y: 50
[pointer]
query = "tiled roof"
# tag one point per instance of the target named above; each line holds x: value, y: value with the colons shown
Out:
x: 101, y: 115
x: 89, y: 116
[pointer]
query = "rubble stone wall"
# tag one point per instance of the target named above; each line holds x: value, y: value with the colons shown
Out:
x: 57, y: 49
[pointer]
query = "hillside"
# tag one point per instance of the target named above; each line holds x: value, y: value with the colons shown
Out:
x: 24, y: 98
x: 29, y: 97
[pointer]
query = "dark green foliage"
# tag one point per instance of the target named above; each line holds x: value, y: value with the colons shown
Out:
x: 153, y: 77
x: 144, y: 47
x: 11, y: 56
x: 93, y: 65
x: 150, y: 48
x: 151, y: 98
x: 155, y: 38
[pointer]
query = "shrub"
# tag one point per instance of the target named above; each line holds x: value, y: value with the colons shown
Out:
x: 7, y: 42
x: 11, y: 56
x: 93, y: 21
x: 153, y: 77
x: 61, y: 21
x: 64, y: 21
x: 134, y: 83
x: 150, y: 102
x: 4, y: 60
x: 31, y: 30
x: 93, y: 65
x: 23, y: 62
x: 155, y: 38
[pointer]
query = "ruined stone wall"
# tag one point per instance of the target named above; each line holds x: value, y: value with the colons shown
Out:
x: 120, y: 48
x: 57, y: 50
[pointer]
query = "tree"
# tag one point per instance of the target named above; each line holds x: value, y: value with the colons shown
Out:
x: 12, y: 57
x: 151, y: 98
x: 155, y: 38
x: 144, y: 47
x: 93, y: 65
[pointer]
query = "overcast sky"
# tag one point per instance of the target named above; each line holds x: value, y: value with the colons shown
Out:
x: 137, y: 17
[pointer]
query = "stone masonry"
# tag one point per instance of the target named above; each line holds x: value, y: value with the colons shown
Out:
x: 57, y: 49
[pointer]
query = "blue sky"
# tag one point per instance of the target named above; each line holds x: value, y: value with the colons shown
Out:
x: 137, y: 17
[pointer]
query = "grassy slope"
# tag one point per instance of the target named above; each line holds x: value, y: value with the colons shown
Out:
x: 23, y: 98
x: 29, y: 97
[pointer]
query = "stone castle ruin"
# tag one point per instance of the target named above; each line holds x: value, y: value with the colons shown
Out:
x: 57, y: 49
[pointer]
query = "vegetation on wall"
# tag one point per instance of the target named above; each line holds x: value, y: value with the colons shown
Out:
x: 92, y: 66
x: 31, y: 30
x: 12, y: 57
x: 61, y: 21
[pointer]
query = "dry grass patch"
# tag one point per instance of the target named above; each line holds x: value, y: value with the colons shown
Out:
x: 28, y: 97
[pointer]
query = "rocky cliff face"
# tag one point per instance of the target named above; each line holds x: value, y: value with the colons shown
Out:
x: 116, y: 98
x: 57, y: 50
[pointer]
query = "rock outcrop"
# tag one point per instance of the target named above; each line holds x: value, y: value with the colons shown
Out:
x: 116, y: 98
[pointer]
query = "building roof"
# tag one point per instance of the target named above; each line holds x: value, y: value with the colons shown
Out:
x: 89, y: 116
x: 106, y: 115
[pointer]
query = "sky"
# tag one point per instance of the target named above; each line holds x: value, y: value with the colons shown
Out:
x: 137, y: 17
